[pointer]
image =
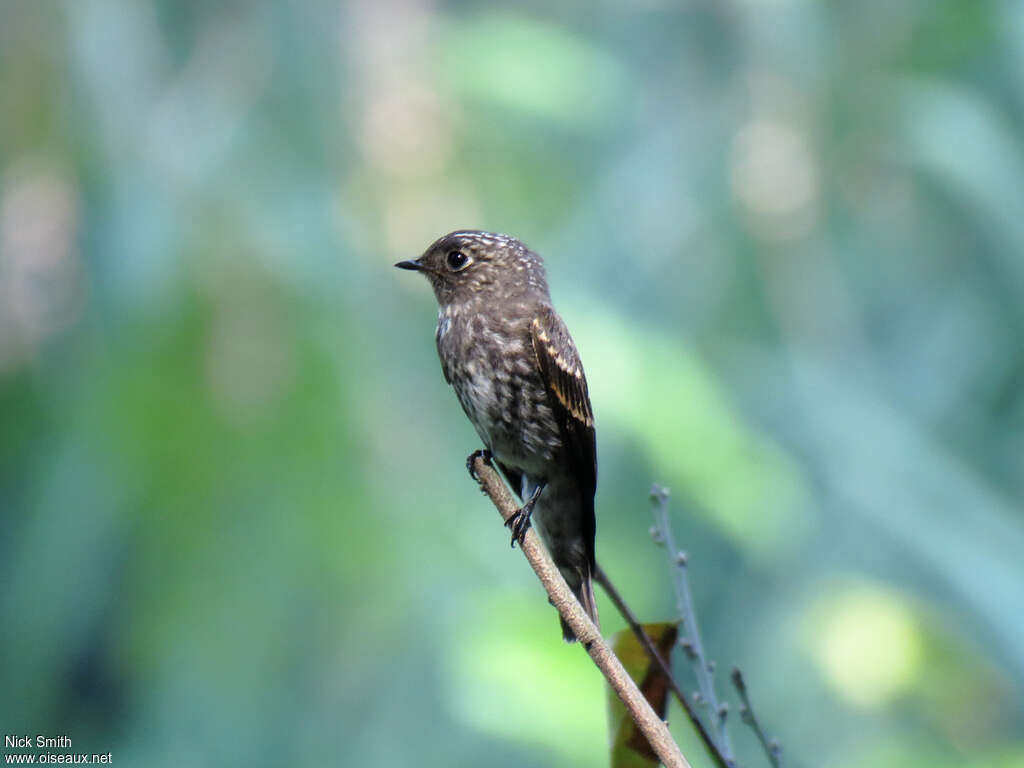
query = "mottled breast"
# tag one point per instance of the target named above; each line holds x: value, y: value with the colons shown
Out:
x: 490, y: 362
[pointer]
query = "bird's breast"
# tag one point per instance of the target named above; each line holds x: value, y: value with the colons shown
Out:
x: 493, y: 369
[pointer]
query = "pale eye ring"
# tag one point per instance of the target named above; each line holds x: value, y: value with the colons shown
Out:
x: 457, y: 260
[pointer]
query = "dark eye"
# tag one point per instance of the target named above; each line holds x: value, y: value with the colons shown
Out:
x: 457, y: 260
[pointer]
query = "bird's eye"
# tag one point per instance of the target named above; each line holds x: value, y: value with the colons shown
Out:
x: 457, y: 260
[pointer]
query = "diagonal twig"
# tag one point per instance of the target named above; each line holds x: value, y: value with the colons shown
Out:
x: 613, y: 594
x: 771, y: 747
x: 647, y: 720
x: 690, y: 641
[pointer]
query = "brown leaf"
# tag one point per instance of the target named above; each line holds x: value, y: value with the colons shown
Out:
x: 630, y: 748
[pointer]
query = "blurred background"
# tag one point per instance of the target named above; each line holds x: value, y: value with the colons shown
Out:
x: 235, y: 522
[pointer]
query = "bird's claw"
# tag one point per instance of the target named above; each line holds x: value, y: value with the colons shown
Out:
x: 520, y: 524
x: 484, y: 454
x: 520, y: 521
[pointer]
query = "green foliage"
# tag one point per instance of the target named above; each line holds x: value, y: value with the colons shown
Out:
x: 235, y: 525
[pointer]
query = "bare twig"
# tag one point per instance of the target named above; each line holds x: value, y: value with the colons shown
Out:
x: 690, y: 640
x: 647, y: 720
x: 613, y: 594
x: 772, y: 748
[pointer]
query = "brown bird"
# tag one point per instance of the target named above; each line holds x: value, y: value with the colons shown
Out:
x: 518, y: 376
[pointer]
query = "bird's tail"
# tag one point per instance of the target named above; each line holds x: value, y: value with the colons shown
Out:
x: 582, y: 586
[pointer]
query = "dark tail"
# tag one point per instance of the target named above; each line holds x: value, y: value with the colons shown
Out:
x: 583, y: 587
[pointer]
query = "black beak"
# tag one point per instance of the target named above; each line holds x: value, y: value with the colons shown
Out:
x: 413, y: 265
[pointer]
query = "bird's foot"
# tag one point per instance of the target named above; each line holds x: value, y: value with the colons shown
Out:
x: 484, y: 454
x: 520, y: 521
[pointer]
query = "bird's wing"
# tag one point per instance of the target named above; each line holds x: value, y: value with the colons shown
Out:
x: 562, y: 372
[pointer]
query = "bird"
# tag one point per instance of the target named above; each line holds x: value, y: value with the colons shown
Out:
x: 518, y: 376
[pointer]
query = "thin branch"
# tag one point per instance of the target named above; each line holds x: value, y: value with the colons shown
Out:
x: 690, y: 642
x: 647, y: 720
x: 716, y: 755
x: 771, y: 747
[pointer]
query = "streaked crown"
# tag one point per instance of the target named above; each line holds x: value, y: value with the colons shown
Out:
x: 470, y: 265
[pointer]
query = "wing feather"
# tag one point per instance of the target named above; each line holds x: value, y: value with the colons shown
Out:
x: 562, y: 373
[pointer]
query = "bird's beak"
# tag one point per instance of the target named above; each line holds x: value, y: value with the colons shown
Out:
x: 413, y: 265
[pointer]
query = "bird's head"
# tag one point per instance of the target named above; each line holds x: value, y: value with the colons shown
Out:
x: 469, y: 266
